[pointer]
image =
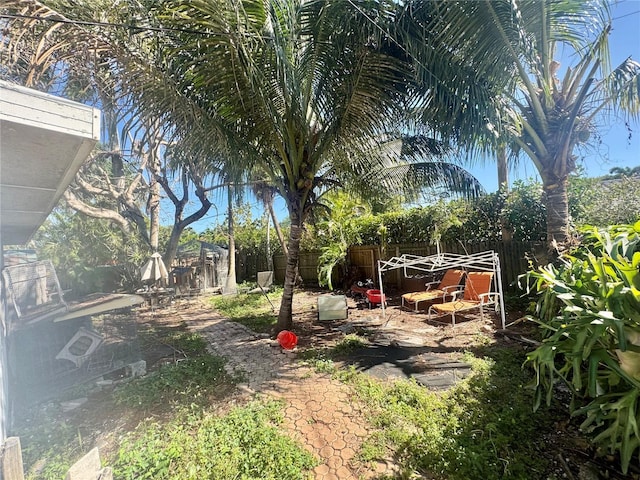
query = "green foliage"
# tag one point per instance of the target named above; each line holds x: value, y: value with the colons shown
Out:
x: 190, y: 381
x: 50, y: 443
x: 250, y: 233
x: 250, y: 309
x: 188, y: 344
x: 244, y: 444
x: 521, y: 211
x: 81, y: 248
x: 336, y: 228
x: 589, y: 313
x: 605, y: 200
x: 348, y: 344
x: 466, y: 432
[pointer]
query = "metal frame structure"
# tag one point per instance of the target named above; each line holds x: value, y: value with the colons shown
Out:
x: 487, y: 261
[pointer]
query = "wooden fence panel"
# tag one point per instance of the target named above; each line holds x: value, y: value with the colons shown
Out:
x: 514, y: 261
x: 364, y: 259
x: 307, y: 267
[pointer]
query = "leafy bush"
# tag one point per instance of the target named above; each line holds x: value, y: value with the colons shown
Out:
x: 245, y: 443
x: 589, y: 313
x: 605, y: 200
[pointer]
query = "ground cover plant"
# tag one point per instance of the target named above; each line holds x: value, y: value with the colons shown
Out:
x: 589, y: 313
x: 252, y: 310
x: 245, y: 443
x: 481, y: 428
x: 168, y: 424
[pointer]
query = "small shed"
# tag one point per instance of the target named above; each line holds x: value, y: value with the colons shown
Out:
x: 488, y: 261
x: 200, y: 265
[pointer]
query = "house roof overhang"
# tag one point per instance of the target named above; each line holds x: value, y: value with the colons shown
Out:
x: 44, y: 140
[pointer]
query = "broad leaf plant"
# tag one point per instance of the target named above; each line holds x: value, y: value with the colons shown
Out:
x: 589, y: 311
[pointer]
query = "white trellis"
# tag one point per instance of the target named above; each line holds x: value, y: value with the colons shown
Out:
x: 487, y: 261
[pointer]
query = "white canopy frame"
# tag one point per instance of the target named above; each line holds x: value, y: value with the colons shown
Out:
x: 487, y: 261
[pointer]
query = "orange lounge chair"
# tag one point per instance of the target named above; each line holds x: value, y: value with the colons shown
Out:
x: 449, y: 283
x: 477, y: 294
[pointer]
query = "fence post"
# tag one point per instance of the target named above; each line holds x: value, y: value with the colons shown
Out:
x: 12, y: 467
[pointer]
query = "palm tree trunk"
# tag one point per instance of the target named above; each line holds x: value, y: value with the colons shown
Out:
x: 230, y: 286
x: 285, y: 317
x: 503, y: 168
x: 503, y: 186
x: 279, y: 233
x: 269, y: 256
x: 557, y: 204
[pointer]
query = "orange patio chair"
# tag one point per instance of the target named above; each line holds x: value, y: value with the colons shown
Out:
x: 450, y: 282
x: 477, y: 294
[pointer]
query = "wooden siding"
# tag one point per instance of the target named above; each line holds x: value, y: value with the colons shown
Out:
x: 26, y: 106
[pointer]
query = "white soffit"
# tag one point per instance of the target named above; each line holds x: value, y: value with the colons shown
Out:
x: 43, y: 141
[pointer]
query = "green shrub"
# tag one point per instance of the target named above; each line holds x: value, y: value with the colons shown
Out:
x: 589, y: 313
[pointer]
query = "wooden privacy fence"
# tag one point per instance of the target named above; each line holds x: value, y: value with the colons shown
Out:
x: 307, y: 267
x: 363, y: 261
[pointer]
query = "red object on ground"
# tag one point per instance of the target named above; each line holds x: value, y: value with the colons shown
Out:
x: 375, y: 296
x: 288, y: 340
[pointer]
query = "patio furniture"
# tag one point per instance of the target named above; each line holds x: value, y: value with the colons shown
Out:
x: 451, y: 281
x: 477, y: 294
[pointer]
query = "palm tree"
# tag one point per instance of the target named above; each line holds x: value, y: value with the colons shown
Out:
x: 266, y: 193
x: 306, y: 91
x: 300, y: 89
x: 546, y: 117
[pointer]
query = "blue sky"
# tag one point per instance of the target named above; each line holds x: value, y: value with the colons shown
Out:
x: 616, y: 149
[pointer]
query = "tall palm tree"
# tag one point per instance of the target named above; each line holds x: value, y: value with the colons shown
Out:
x: 546, y: 117
x: 303, y: 90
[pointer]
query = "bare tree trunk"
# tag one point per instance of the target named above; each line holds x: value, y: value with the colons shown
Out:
x: 154, y: 213
x: 179, y: 224
x: 153, y: 205
x: 230, y: 286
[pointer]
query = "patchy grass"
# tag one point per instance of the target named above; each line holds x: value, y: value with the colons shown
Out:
x: 245, y: 443
x: 181, y: 436
x: 195, y: 378
x: 49, y: 444
x: 482, y: 428
x: 250, y: 309
x: 322, y: 359
x: 348, y: 344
